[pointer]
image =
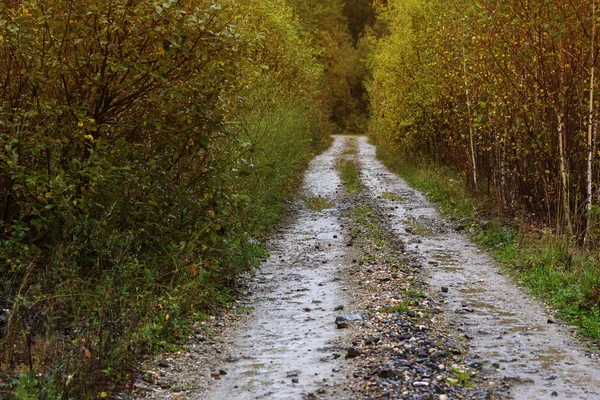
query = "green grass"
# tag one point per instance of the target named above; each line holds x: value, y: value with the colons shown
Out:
x: 350, y: 176
x: 461, y: 378
x: 408, y: 300
x: 318, y: 204
x: 401, y: 307
x: 365, y: 223
x: 348, y: 169
x: 565, y: 277
x: 392, y: 196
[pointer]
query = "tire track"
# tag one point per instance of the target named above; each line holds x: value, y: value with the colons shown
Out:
x: 506, y: 328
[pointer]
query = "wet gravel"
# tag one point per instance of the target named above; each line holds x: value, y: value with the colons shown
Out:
x: 406, y: 352
x: 373, y: 296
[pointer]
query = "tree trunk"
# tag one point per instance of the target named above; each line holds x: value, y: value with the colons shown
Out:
x: 470, y: 123
x: 503, y: 173
x: 590, y: 130
x: 563, y: 173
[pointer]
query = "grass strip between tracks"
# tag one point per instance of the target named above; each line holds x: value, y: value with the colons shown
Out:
x: 348, y: 169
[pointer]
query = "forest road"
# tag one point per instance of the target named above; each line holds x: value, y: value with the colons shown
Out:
x: 290, y: 347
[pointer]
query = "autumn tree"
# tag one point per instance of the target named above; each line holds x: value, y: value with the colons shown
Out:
x: 502, y: 90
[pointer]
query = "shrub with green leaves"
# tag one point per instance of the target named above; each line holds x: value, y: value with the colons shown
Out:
x: 144, y: 146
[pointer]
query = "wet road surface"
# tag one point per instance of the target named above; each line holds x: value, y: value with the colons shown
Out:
x: 287, y: 349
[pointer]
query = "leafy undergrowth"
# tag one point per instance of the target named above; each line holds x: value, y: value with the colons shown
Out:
x: 93, y: 329
x: 565, y: 277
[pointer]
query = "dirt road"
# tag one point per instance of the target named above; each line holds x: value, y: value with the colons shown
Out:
x: 287, y: 345
x: 421, y: 312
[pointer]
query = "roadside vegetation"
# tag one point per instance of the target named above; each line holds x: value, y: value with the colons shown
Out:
x: 491, y: 108
x: 146, y: 149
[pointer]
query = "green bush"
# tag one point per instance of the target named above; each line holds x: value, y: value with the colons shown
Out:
x: 144, y: 148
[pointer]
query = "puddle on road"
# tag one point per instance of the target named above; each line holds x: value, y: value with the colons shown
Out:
x: 508, y: 328
x: 318, y: 203
x: 550, y: 358
x: 524, y: 329
x: 472, y: 291
x: 393, y: 196
x: 451, y: 269
x: 414, y: 226
x: 444, y: 257
x: 509, y: 321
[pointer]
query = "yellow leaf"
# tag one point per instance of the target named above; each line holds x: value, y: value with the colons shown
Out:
x: 89, y: 137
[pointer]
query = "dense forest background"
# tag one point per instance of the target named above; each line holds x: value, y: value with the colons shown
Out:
x: 147, y: 147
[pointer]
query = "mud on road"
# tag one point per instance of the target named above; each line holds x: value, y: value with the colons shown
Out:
x: 421, y: 312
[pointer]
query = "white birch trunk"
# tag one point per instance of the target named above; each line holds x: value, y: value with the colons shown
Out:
x: 471, y: 138
x: 590, y: 157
